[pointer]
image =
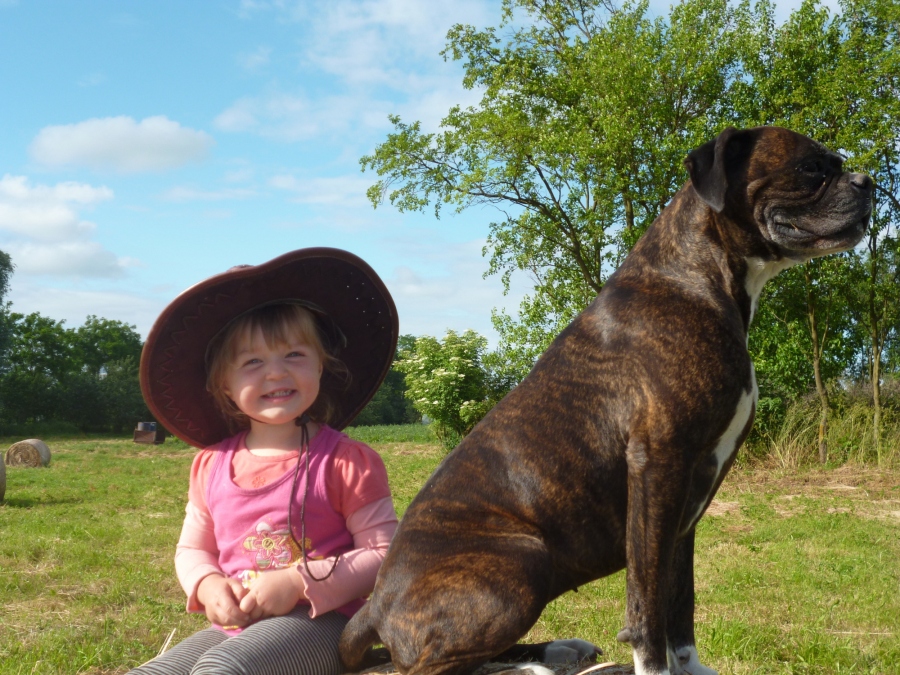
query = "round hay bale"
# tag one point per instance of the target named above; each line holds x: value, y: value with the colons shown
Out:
x: 31, y: 452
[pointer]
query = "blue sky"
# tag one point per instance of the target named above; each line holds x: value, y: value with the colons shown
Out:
x: 146, y: 146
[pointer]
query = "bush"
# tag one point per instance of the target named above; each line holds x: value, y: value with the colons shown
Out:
x: 447, y: 382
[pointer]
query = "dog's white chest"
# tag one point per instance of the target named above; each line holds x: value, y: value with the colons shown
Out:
x: 759, y: 271
x: 727, y: 444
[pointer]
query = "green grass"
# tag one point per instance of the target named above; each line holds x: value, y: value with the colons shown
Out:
x: 398, y: 433
x: 799, y: 572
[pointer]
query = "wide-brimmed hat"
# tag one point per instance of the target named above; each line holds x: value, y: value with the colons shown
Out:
x: 331, y: 282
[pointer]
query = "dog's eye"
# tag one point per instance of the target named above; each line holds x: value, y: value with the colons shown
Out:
x: 812, y: 166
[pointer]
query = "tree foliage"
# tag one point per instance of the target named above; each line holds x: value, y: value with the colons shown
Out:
x: 390, y: 405
x: 578, y: 140
x: 87, y: 376
x: 586, y: 113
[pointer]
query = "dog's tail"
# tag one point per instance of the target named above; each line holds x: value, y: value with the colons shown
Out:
x: 358, y: 636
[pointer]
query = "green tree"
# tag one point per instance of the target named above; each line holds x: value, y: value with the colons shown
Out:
x: 6, y: 270
x: 872, y: 80
x: 803, y: 339
x: 39, y: 344
x: 390, y: 405
x: 120, y: 395
x: 86, y: 376
x: 835, y: 78
x: 446, y: 381
x: 578, y: 141
x: 99, y: 342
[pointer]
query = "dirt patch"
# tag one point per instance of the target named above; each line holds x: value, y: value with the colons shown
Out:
x: 846, y: 482
x: 409, y: 449
x: 717, y: 508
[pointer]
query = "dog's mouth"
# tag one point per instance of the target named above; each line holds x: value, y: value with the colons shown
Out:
x: 800, y: 235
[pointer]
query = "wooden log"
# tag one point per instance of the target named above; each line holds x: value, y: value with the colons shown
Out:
x: 31, y: 452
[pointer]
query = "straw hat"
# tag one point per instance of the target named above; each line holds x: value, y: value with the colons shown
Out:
x: 347, y: 297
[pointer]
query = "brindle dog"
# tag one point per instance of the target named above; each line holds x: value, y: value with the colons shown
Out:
x: 609, y: 452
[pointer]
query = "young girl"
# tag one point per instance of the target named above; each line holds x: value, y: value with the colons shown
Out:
x: 287, y: 519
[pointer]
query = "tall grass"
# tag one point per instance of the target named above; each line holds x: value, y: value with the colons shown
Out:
x: 791, y: 441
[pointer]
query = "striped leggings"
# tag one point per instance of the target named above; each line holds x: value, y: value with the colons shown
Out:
x: 292, y: 644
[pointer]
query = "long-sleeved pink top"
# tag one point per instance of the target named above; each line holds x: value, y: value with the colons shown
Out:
x: 354, y: 486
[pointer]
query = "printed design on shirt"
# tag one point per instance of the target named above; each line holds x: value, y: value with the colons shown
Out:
x: 247, y: 577
x: 271, y: 548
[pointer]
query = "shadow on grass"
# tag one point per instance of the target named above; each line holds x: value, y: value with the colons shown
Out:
x: 28, y: 503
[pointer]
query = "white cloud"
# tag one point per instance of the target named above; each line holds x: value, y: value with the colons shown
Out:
x: 121, y: 144
x: 45, y: 234
x: 254, y: 61
x: 187, y: 194
x: 46, y: 212
x: 92, y: 80
x: 339, y: 190
x: 290, y: 118
x: 66, y: 259
x: 384, y: 55
x: 448, y: 290
x: 74, y: 305
x: 352, y: 36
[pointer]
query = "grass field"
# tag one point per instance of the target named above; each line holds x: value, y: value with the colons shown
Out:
x: 797, y: 571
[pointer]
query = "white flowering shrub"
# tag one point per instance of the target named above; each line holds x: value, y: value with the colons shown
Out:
x: 446, y: 381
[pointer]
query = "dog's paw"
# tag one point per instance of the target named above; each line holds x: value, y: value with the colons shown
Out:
x: 571, y: 651
x: 686, y: 662
x: 533, y: 668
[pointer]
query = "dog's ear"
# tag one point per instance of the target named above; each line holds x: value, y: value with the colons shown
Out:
x: 706, y: 167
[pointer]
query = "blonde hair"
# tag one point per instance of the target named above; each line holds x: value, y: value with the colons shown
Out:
x: 280, y: 324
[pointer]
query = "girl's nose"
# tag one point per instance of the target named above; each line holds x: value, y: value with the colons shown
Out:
x: 276, y: 370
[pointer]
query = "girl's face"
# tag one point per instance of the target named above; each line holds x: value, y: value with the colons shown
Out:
x: 273, y: 385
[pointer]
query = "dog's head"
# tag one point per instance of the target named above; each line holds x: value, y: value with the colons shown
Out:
x: 802, y: 201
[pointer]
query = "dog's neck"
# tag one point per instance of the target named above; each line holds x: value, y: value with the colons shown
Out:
x: 743, y: 276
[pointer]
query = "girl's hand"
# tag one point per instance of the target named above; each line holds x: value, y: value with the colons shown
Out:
x: 273, y: 593
x: 221, y: 597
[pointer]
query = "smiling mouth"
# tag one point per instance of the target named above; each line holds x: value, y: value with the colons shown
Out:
x: 281, y: 393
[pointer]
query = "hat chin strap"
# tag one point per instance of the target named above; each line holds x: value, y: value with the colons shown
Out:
x: 302, y: 421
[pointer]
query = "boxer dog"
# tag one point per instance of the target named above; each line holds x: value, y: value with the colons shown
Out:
x: 611, y: 449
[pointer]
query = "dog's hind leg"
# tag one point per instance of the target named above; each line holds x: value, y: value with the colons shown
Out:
x: 683, y: 657
x: 474, y: 605
x: 356, y: 641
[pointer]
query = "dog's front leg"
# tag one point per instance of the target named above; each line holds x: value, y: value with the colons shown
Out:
x: 680, y: 621
x: 655, y: 503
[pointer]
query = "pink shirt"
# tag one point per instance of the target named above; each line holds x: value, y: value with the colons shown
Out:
x: 348, y: 512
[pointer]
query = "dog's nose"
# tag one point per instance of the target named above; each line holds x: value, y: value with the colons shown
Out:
x: 861, y: 182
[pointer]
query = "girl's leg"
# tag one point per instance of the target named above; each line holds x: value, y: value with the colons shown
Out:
x: 292, y: 644
x: 180, y: 659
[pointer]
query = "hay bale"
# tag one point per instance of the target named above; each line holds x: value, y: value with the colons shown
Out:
x: 31, y: 452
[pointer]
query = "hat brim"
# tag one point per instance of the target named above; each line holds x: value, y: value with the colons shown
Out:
x: 173, y: 368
